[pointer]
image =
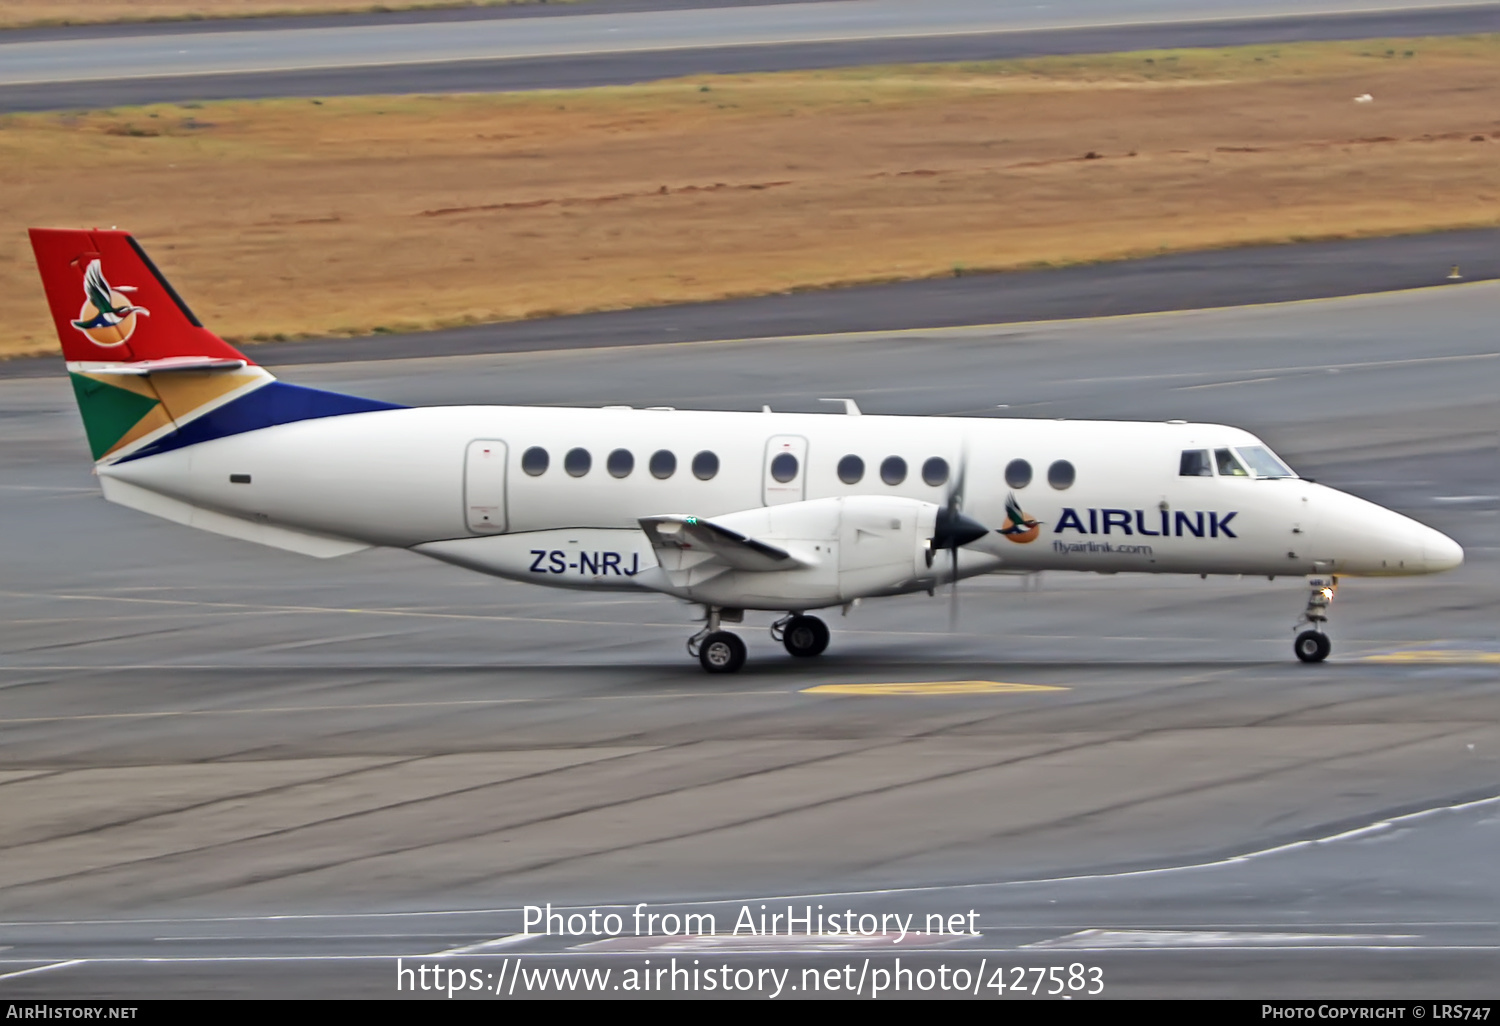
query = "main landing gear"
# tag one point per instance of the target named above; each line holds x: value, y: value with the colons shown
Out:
x: 803, y: 636
x: 1312, y: 645
x: 720, y: 651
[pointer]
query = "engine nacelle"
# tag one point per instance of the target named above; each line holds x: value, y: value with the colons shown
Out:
x: 840, y: 549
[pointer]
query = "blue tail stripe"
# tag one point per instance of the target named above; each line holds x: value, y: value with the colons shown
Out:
x: 267, y: 406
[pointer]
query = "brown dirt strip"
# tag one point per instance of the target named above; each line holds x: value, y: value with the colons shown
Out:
x: 297, y: 218
x: 31, y: 13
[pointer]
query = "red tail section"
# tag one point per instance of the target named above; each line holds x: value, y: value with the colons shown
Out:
x: 111, y: 304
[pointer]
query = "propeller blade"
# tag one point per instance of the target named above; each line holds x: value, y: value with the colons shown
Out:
x: 956, y: 489
x: 956, y: 529
x: 953, y: 591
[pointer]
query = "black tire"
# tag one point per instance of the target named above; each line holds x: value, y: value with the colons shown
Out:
x: 805, y: 636
x: 1312, y: 646
x: 722, y: 652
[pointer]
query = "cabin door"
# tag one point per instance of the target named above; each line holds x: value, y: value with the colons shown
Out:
x: 484, y: 486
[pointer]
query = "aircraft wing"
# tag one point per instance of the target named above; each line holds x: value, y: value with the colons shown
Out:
x: 691, y: 543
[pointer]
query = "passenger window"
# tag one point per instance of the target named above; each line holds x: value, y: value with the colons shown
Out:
x: 935, y: 471
x: 620, y: 463
x: 1195, y: 464
x: 663, y: 464
x: 1061, y: 475
x: 1229, y: 466
x: 1018, y: 473
x: 535, y: 460
x: 705, y: 465
x: 784, y: 467
x: 851, y: 470
x: 577, y: 462
x: 893, y: 470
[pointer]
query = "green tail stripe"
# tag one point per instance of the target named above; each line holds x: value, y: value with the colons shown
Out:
x: 108, y: 412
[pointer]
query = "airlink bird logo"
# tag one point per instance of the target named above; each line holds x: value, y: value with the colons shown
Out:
x: 107, y: 317
x: 1018, y: 527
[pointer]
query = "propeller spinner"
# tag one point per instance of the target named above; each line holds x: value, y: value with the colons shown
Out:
x: 954, y: 529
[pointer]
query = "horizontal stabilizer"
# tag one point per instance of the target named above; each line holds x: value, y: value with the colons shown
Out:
x: 306, y: 543
x: 169, y: 365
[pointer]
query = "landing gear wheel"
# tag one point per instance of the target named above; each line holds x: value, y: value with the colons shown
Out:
x: 1312, y: 646
x: 805, y: 636
x: 722, y: 652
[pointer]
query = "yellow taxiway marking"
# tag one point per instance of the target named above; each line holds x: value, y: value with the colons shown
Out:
x: 930, y: 687
x: 1434, y: 655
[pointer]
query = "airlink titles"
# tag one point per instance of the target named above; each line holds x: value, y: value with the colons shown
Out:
x: 1159, y: 523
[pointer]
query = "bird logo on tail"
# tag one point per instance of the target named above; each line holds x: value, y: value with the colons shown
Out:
x: 107, y: 317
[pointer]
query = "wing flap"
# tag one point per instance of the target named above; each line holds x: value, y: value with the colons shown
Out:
x: 687, y: 542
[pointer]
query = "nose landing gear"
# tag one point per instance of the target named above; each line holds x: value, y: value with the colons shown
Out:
x: 1312, y: 645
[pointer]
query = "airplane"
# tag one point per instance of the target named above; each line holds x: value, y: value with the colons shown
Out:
x: 789, y: 513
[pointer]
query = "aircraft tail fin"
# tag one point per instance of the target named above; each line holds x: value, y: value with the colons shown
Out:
x: 147, y: 374
x: 111, y: 305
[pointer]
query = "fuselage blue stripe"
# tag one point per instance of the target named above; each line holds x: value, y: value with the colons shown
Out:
x: 274, y: 403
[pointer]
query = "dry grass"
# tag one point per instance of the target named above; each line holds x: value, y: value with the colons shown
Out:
x: 285, y: 219
x: 25, y: 13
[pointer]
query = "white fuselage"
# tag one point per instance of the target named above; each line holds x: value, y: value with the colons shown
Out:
x: 451, y: 482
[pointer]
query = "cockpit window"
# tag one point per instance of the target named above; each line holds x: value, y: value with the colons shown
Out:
x: 1195, y: 464
x: 1228, y: 465
x: 1263, y: 461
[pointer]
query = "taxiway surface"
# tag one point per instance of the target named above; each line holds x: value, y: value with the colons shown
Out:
x: 60, y: 69
x: 225, y: 769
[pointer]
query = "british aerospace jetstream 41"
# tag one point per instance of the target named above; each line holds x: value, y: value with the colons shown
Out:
x: 781, y: 512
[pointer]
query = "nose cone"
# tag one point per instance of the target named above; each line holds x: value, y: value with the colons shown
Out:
x: 1361, y: 538
x: 1439, y: 552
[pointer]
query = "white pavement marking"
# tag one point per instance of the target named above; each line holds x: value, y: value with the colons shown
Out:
x: 509, y: 940
x: 43, y: 968
x: 1225, y: 384
x: 279, y: 710
x: 1097, y: 940
x: 1279, y: 371
x: 263, y: 608
x: 278, y: 959
x: 744, y: 944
